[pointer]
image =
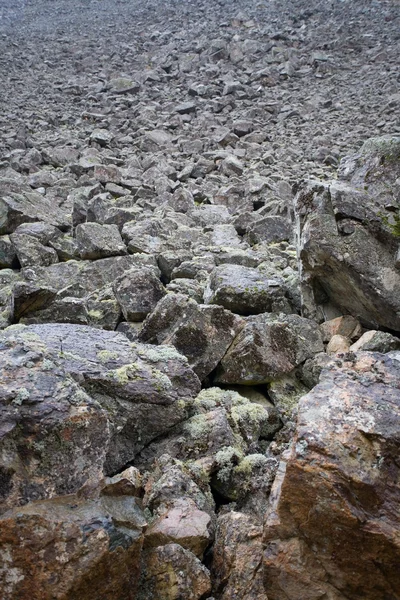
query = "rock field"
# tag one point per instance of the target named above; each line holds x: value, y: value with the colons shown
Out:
x: 199, y: 300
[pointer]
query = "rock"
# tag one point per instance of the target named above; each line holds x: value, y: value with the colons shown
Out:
x: 245, y: 291
x: 8, y: 255
x: 186, y: 108
x: 143, y: 389
x: 32, y: 244
x: 181, y: 523
x: 27, y: 207
x: 346, y: 251
x: 69, y: 548
x: 323, y: 507
x: 170, y: 573
x: 137, y: 292
x: 199, y: 332
x: 237, y: 558
x: 127, y: 483
x: 338, y: 344
x: 269, y: 229
x: 376, y: 341
x: 346, y: 326
x: 54, y: 435
x: 99, y: 241
x: 231, y: 165
x: 103, y: 137
x: 286, y: 391
x: 268, y: 347
x: 123, y: 85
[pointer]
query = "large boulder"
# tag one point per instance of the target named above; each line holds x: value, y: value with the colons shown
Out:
x: 347, y: 245
x: 245, y: 291
x: 201, y: 333
x: 141, y: 389
x: 71, y: 548
x: 332, y: 529
x: 268, y: 347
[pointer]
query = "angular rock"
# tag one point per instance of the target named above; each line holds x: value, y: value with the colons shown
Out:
x: 27, y: 207
x: 346, y: 247
x: 199, y: 332
x: 181, y: 523
x: 99, y: 241
x: 137, y: 292
x: 268, y: 347
x: 170, y: 573
x: 269, y: 229
x: 143, y: 389
x: 245, y: 291
x: 325, y: 508
x: 376, y: 341
x: 69, y: 548
x: 237, y: 559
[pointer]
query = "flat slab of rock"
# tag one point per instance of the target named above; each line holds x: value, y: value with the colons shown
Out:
x: 324, y: 507
x: 268, y: 347
x: 99, y: 241
x: 201, y: 333
x: 137, y: 292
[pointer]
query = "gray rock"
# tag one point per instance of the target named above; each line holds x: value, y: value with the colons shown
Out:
x: 137, y: 292
x: 201, y: 333
x: 269, y: 229
x: 99, y: 241
x: 268, y: 347
x: 245, y: 291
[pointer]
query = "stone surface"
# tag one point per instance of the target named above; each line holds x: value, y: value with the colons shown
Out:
x: 325, y: 508
x: 69, y: 548
x: 170, y: 573
x: 99, y: 241
x: 137, y: 292
x: 199, y: 332
x: 268, y: 347
x: 245, y: 291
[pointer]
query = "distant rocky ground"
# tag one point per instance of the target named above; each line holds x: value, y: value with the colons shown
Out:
x: 200, y: 300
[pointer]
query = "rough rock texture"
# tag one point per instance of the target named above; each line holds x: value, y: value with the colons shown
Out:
x: 269, y: 346
x: 219, y: 179
x: 201, y: 333
x: 324, y: 507
x: 347, y: 249
x: 70, y: 548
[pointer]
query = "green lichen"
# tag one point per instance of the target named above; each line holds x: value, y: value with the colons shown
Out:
x: 227, y: 458
x: 249, y: 463
x: 197, y: 427
x: 23, y: 394
x: 105, y: 356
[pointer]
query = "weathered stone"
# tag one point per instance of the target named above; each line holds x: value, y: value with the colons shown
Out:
x: 27, y: 207
x: 142, y: 388
x: 99, y: 241
x: 201, y: 333
x: 170, y: 573
x: 347, y: 326
x: 376, y: 341
x: 338, y: 344
x: 137, y: 292
x: 269, y: 229
x: 346, y: 249
x: 54, y: 436
x: 69, y: 548
x: 181, y: 523
x: 325, y: 508
x: 245, y: 291
x: 8, y: 255
x: 268, y: 347
x: 237, y: 559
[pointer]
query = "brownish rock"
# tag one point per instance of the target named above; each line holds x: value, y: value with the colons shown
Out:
x: 172, y: 573
x: 184, y: 524
x: 338, y: 343
x: 68, y: 549
x: 332, y: 528
x: 238, y: 559
x: 346, y: 325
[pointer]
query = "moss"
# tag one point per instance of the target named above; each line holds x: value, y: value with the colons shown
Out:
x: 197, y: 427
x: 249, y: 463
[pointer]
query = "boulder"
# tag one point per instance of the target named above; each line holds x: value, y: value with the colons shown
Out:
x: 268, y: 347
x: 238, y: 558
x: 376, y: 341
x: 245, y: 291
x: 346, y: 245
x: 142, y: 389
x: 171, y: 573
x: 137, y: 292
x: 70, y: 548
x: 199, y: 332
x: 324, y: 507
x: 99, y: 241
